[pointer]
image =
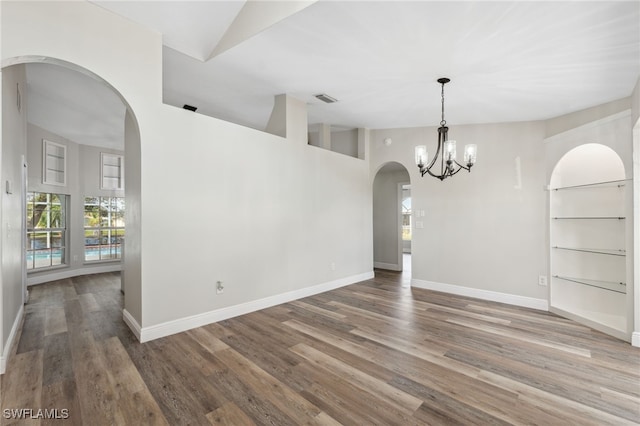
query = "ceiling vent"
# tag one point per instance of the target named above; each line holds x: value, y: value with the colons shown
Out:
x: 190, y: 108
x: 326, y: 98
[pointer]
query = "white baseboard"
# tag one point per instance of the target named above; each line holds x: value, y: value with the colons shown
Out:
x: 63, y: 274
x: 4, y: 358
x: 176, y: 326
x: 494, y: 296
x: 132, y: 323
x: 611, y: 331
x: 635, y: 339
x: 387, y: 266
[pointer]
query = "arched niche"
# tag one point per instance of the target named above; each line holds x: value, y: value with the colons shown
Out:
x: 588, y: 233
x: 588, y: 163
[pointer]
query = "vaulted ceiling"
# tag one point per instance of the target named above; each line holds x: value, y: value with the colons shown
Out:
x: 508, y: 61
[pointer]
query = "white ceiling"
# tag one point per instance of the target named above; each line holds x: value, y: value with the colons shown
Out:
x: 508, y: 61
x: 75, y: 106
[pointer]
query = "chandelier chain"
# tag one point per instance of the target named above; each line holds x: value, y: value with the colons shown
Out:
x: 443, y: 121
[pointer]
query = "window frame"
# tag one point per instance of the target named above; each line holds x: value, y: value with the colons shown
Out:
x: 99, y: 229
x: 32, y: 229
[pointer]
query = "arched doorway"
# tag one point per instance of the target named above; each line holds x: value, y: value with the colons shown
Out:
x: 15, y: 145
x: 392, y: 218
x: 590, y: 238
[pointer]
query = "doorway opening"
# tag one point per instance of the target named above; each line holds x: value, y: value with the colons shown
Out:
x: 52, y: 130
x: 392, y: 222
x: 406, y: 219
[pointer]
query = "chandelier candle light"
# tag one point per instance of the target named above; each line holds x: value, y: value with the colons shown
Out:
x: 446, y: 151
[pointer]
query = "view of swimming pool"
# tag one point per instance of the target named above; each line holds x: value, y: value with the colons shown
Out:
x: 53, y: 257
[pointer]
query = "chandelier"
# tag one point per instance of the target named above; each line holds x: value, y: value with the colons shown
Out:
x: 446, y: 151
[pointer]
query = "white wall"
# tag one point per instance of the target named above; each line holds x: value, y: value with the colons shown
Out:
x: 83, y: 179
x: 484, y: 231
x: 345, y: 142
x: 265, y: 224
x: 132, y: 257
x: 386, y: 218
x: 13, y: 129
x: 576, y: 119
x: 341, y: 141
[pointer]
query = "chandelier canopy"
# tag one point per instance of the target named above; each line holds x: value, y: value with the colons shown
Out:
x: 445, y: 152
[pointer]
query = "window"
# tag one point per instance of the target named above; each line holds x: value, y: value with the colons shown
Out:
x: 103, y: 228
x: 54, y: 163
x: 111, y: 171
x: 46, y: 230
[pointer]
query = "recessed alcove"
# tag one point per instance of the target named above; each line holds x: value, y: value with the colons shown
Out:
x: 589, y: 223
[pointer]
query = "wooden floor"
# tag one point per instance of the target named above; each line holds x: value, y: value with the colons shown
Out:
x: 370, y: 353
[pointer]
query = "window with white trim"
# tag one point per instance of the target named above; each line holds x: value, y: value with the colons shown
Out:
x: 46, y: 230
x: 103, y: 228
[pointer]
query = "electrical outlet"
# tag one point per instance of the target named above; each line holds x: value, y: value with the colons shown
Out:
x: 219, y: 287
x: 333, y: 266
x: 542, y: 280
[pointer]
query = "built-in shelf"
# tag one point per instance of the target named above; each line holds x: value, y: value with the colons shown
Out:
x: 610, y: 252
x: 588, y: 208
x: 589, y: 217
x: 111, y: 171
x: 611, y: 183
x: 617, y: 287
x: 54, y: 163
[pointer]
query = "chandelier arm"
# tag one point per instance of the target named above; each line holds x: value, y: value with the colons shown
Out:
x: 456, y: 171
x: 437, y: 154
x: 463, y: 167
x: 440, y: 176
x: 443, y: 168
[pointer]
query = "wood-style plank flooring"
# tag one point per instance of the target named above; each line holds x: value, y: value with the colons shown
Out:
x: 370, y: 353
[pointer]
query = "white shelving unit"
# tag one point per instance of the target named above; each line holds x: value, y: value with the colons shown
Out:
x: 54, y: 163
x: 588, y: 248
x: 111, y: 171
